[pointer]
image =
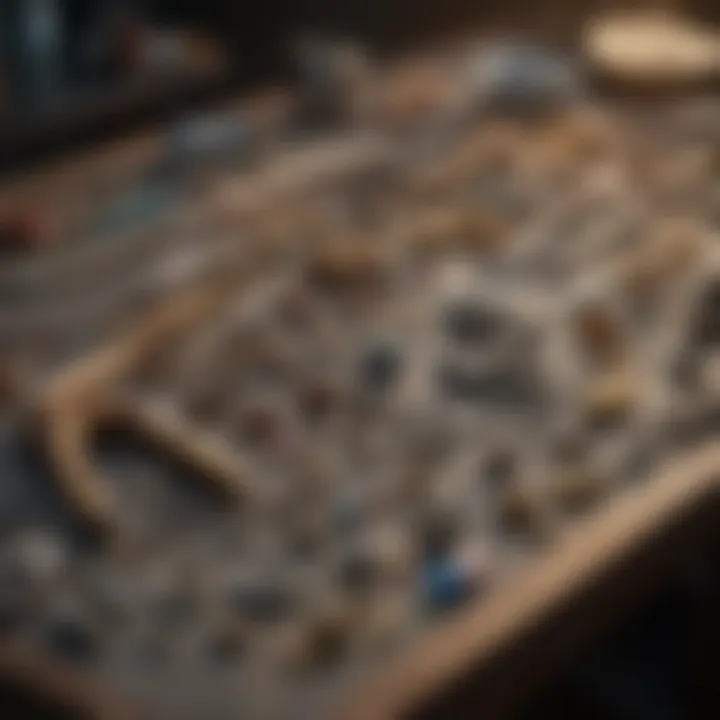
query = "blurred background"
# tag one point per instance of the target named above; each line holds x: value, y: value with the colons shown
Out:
x: 76, y: 72
x: 71, y: 70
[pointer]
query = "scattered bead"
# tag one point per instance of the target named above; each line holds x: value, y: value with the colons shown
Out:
x: 599, y: 333
x: 318, y: 401
x: 521, y: 512
x: 445, y: 584
x: 504, y: 385
x: 611, y: 398
x: 344, y: 267
x: 469, y: 321
x: 379, y: 366
x: 324, y: 637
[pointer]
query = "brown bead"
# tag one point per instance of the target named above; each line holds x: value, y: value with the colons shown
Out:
x: 599, y: 333
x: 611, y: 397
x: 521, y: 512
x: 344, y: 267
x: 318, y: 400
x: 260, y: 424
x: 322, y: 639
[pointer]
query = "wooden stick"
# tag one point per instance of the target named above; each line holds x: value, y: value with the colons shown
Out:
x: 205, y: 452
x: 78, y: 399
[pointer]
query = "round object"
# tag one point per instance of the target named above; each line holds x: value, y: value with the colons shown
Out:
x: 652, y: 47
x: 502, y: 386
x: 329, y: 633
x: 445, y: 584
x: 344, y: 267
x: 318, y: 401
x: 521, y: 512
x: 598, y: 332
x: 379, y: 366
x: 260, y: 424
x: 469, y: 321
x: 611, y: 398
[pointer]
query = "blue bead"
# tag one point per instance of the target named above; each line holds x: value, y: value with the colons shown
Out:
x: 444, y: 585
